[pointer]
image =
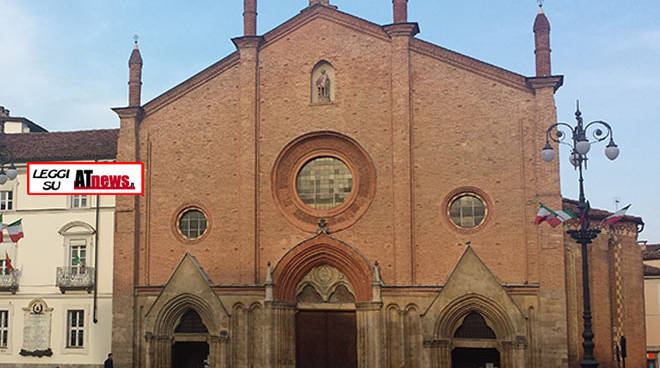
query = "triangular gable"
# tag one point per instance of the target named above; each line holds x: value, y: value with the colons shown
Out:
x: 188, y: 278
x: 471, y: 278
x: 350, y: 21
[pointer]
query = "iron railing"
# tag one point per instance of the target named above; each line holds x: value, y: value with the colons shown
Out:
x: 75, y: 278
x: 9, y: 281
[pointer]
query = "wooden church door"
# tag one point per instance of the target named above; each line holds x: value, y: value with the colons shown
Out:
x: 326, y: 339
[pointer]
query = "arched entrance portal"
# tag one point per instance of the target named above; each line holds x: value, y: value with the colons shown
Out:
x: 326, y: 328
x: 190, y: 348
x: 476, y: 344
x: 322, y: 293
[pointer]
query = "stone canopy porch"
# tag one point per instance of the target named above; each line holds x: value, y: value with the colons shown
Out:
x: 394, y: 326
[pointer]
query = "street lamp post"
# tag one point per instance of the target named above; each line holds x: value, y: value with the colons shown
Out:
x: 579, y: 143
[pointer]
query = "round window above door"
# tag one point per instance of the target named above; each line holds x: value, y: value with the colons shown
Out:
x: 325, y: 175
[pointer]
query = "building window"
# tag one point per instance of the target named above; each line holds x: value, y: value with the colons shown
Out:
x: 192, y: 223
x: 324, y: 183
x: 323, y: 175
x: 75, y: 328
x: 6, y: 200
x: 467, y: 210
x: 78, y: 256
x: 79, y: 201
x: 4, y: 328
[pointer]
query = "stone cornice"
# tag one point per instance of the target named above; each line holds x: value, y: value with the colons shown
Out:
x: 328, y: 13
x: 368, y: 306
x: 191, y: 83
x: 248, y: 42
x: 464, y: 62
x: 130, y: 112
x: 402, y: 29
x: 553, y: 81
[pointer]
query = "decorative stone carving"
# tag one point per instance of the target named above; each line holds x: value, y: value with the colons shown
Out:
x: 323, y: 86
x: 268, y: 285
x: 323, y: 83
x: 36, y: 333
x: 326, y: 281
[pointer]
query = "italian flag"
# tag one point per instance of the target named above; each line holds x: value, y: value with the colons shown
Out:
x: 76, y: 261
x: 616, y: 216
x: 15, y: 230
x: 553, y: 218
x: 8, y: 265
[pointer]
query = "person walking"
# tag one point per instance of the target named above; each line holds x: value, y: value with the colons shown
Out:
x: 108, y: 362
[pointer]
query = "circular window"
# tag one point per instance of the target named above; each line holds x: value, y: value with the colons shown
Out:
x: 192, y: 223
x: 467, y: 210
x: 323, y: 175
x: 324, y: 183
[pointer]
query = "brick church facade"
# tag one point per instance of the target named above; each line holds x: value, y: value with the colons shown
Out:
x: 339, y: 193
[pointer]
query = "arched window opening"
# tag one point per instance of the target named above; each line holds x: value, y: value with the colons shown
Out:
x: 191, y: 322
x: 323, y: 83
x: 474, y: 327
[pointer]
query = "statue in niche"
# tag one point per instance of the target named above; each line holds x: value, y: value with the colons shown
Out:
x: 323, y: 86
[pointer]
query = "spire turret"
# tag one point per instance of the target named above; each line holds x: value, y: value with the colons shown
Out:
x: 249, y: 17
x: 400, y: 11
x: 542, y: 43
x: 135, y: 76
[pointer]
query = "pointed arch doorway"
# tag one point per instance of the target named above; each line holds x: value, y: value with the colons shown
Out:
x: 190, y: 348
x: 323, y: 292
x: 475, y: 344
x: 326, y: 324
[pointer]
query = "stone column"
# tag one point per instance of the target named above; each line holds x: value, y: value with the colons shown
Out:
x: 370, y: 335
x: 519, y: 353
x: 401, y: 122
x: 149, y: 338
x: 283, y: 340
x: 545, y: 248
x: 437, y: 353
x: 248, y: 48
x: 218, y: 351
x: 127, y: 224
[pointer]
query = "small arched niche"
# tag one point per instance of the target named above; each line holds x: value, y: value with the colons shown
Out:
x: 323, y: 83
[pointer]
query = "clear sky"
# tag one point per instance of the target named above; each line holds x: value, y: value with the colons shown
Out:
x: 63, y: 64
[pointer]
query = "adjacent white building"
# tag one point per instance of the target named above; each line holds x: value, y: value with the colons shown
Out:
x: 56, y: 304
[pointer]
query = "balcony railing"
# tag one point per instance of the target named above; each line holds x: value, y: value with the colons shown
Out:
x: 9, y: 281
x: 75, y: 278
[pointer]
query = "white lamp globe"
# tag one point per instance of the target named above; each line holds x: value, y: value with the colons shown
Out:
x: 12, y: 173
x: 574, y: 158
x: 547, y: 153
x: 3, y: 177
x: 582, y: 146
x: 612, y: 151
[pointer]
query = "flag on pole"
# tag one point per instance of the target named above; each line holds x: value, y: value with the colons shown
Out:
x: 15, y: 230
x: 553, y: 218
x: 544, y: 214
x: 616, y: 216
x: 8, y: 265
x: 76, y: 261
x: 566, y: 215
x: 585, y: 214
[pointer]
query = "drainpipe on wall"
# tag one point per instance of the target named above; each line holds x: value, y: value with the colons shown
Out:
x: 96, y: 257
